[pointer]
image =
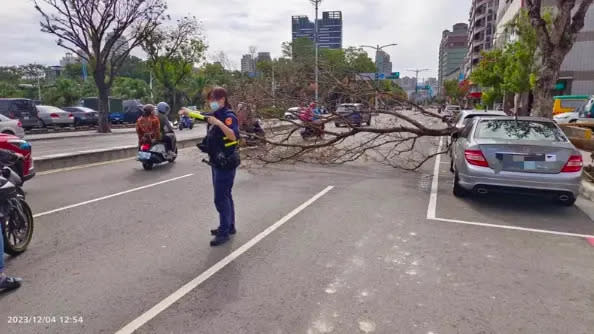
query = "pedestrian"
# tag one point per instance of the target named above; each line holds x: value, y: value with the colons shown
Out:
x: 220, y: 143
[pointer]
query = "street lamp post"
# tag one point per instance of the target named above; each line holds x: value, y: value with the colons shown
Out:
x: 316, y: 3
x: 417, y: 71
x: 377, y: 49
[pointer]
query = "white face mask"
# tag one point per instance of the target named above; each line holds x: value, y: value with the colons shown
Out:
x: 214, y: 106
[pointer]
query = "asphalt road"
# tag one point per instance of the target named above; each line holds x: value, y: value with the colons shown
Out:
x: 361, y: 258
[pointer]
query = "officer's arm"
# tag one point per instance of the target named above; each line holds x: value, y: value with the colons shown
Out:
x: 229, y: 127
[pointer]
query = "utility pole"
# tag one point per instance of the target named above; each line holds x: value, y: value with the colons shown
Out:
x: 316, y: 3
x: 273, y: 88
x: 377, y: 49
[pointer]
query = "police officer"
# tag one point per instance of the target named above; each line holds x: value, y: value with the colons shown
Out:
x: 221, y: 144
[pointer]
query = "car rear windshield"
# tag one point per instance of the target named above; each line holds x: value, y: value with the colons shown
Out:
x: 519, y: 130
x: 344, y: 109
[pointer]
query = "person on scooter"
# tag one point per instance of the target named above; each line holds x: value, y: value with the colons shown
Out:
x: 221, y: 145
x: 148, y: 126
x: 166, y: 130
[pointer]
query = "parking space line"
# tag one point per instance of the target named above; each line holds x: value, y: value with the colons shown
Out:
x: 432, y: 209
x: 110, y: 196
x: 517, y: 228
x: 188, y: 287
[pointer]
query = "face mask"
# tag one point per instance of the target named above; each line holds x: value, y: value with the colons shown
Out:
x: 214, y: 106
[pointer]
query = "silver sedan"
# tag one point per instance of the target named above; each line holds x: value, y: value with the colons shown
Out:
x: 524, y: 155
x: 54, y: 116
x: 11, y: 126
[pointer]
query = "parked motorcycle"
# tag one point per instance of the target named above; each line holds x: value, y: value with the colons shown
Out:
x: 16, y: 216
x: 149, y: 155
x: 185, y: 122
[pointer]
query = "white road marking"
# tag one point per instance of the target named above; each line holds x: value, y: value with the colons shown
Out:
x: 66, y: 169
x: 432, y: 207
x: 177, y: 295
x: 110, y: 196
x: 517, y: 228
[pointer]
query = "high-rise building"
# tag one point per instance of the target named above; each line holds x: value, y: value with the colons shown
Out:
x: 329, y: 29
x: 248, y: 65
x: 577, y: 71
x: 452, y: 52
x: 382, y: 62
x: 263, y: 56
x: 482, y: 26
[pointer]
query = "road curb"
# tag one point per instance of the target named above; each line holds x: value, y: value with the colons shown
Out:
x: 67, y: 160
x: 587, y: 190
x: 73, y: 135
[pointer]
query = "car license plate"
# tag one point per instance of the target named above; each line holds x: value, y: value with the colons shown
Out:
x: 26, y: 117
x: 144, y: 155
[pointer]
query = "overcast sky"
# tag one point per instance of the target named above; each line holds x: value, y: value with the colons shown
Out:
x: 233, y: 25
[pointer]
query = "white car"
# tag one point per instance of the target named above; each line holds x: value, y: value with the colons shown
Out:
x: 292, y: 113
x: 567, y: 117
x: 11, y: 126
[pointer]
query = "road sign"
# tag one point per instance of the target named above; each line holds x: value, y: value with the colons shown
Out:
x: 380, y: 76
x: 394, y: 76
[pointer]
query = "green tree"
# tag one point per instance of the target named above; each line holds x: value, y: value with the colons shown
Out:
x: 8, y: 90
x: 135, y: 68
x: 94, y: 29
x: 173, y: 52
x: 489, y: 74
x: 63, y: 93
x: 454, y: 90
x: 131, y: 89
x: 73, y: 71
x: 302, y: 50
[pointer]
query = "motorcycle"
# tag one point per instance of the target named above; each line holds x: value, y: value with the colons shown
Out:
x: 149, y: 155
x: 313, y: 130
x: 185, y: 122
x: 254, y: 135
x: 15, y: 214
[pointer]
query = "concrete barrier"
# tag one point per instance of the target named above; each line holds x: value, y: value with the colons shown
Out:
x: 573, y: 131
x: 66, y: 160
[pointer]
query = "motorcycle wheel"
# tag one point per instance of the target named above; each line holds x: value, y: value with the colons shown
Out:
x: 175, y: 157
x: 191, y: 126
x: 18, y: 226
x: 147, y: 165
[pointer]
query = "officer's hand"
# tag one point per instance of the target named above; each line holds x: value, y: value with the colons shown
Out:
x: 213, y: 121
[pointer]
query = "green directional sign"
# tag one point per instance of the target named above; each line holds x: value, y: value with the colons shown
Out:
x: 394, y: 75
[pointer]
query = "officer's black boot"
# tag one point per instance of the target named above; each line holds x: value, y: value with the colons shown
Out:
x: 232, y: 231
x: 219, y: 240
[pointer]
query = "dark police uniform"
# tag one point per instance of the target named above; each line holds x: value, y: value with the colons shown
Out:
x: 224, y: 160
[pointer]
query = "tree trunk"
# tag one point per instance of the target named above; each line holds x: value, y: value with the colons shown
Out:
x: 508, y: 103
x: 543, y: 90
x: 103, y: 103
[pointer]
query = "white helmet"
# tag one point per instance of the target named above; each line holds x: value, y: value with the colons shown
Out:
x: 163, y: 108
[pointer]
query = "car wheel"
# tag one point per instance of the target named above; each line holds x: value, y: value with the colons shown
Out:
x: 8, y: 132
x: 337, y: 125
x: 573, y: 121
x: 458, y: 190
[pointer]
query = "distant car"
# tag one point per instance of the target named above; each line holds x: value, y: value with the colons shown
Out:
x: 526, y: 155
x: 453, y: 109
x: 83, y: 115
x: 353, y: 114
x: 567, y: 117
x: 21, y: 109
x: 464, y: 115
x: 116, y: 117
x: 54, y: 116
x: 11, y: 126
x: 25, y: 169
x: 292, y: 113
x: 132, y: 110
